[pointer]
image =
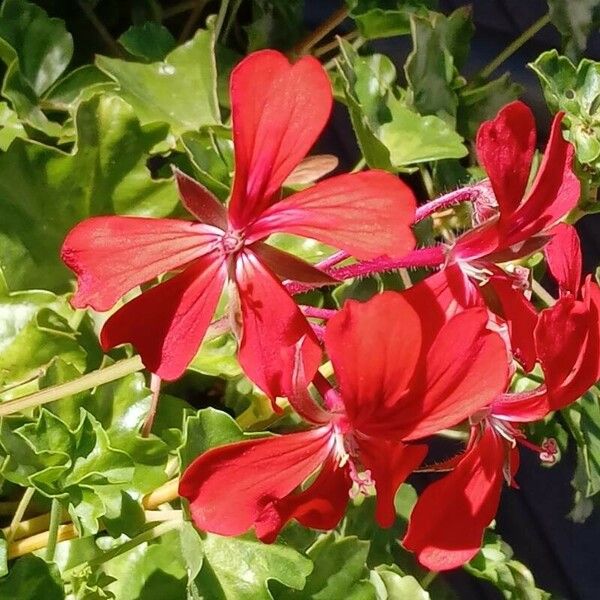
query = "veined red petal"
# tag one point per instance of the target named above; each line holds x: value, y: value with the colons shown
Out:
x: 465, y: 369
x: 112, y: 255
x: 167, y: 323
x: 368, y: 214
x: 229, y: 487
x: 520, y: 316
x: 199, y: 201
x: 390, y: 464
x: 278, y: 111
x: 478, y: 242
x: 568, y: 346
x: 447, y: 523
x: 320, y: 506
x: 272, y: 327
x: 522, y: 407
x: 505, y: 147
x: 554, y: 192
x: 563, y: 253
x: 374, y: 347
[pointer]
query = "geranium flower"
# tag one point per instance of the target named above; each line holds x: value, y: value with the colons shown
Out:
x: 278, y: 111
x: 566, y: 339
x: 402, y: 374
x: 514, y: 220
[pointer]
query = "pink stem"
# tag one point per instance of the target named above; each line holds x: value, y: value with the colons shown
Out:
x: 334, y: 259
x: 466, y: 194
x: 432, y: 256
x: 317, y: 313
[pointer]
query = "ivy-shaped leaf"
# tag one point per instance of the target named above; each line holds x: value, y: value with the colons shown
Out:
x: 32, y: 578
x: 44, y: 192
x: 150, y: 41
x: 179, y: 90
x: 575, y: 21
x: 36, y: 50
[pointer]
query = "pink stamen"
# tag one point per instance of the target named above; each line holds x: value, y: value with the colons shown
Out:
x: 547, y: 452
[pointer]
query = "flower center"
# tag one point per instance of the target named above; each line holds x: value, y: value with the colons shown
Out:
x: 347, y: 453
x: 231, y: 242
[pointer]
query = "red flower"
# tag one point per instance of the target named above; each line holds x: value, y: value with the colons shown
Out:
x: 402, y: 375
x: 514, y: 221
x: 278, y: 111
x: 566, y: 340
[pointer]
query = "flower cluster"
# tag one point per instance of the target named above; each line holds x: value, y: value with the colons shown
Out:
x: 406, y: 365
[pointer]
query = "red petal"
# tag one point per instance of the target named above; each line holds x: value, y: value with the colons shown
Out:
x: 568, y: 345
x: 478, y: 242
x: 447, y: 524
x: 554, y: 192
x: 367, y: 214
x: 167, y: 323
x: 229, y: 487
x: 321, y: 506
x: 111, y: 255
x: 466, y: 368
x: 272, y: 327
x: 390, y: 464
x: 278, y: 111
x: 519, y: 314
x: 563, y: 253
x: 288, y: 266
x: 505, y: 147
x: 375, y: 347
x: 200, y: 201
x: 522, y: 407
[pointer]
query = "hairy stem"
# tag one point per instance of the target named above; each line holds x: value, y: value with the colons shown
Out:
x: 513, y: 46
x: 465, y: 194
x: 86, y: 382
x: 155, y: 381
x: 542, y: 294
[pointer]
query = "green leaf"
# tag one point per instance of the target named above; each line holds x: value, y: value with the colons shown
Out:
x: 390, y: 584
x: 575, y: 21
x: 430, y: 69
x: 583, y: 419
x: 150, y: 571
x: 150, y: 41
x: 10, y: 126
x: 31, y: 578
x: 218, y: 357
x: 79, y: 85
x: 240, y: 568
x: 339, y: 568
x: 574, y: 90
x: 179, y: 91
x: 44, y: 192
x: 412, y: 138
x: 275, y: 24
x: 206, y: 429
x: 480, y: 103
x: 386, y: 18
x: 495, y: 564
x: 36, y: 50
x: 34, y: 330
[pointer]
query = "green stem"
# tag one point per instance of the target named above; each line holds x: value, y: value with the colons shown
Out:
x: 108, y: 39
x: 428, y: 579
x: 19, y: 512
x: 513, y: 47
x: 427, y: 180
x: 86, y: 382
x: 191, y: 21
x: 542, y: 294
x: 150, y: 534
x: 221, y: 17
x: 55, y: 515
x: 230, y: 21
x: 360, y: 165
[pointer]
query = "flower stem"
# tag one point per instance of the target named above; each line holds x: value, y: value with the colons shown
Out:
x: 513, y: 47
x: 317, y: 313
x: 150, y: 534
x: 19, y: 512
x: 108, y: 39
x: 86, y: 382
x: 542, y: 294
x: 428, y: 579
x: 55, y: 514
x: 465, y: 194
x: 321, y: 31
x: 155, y: 381
x: 192, y: 19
